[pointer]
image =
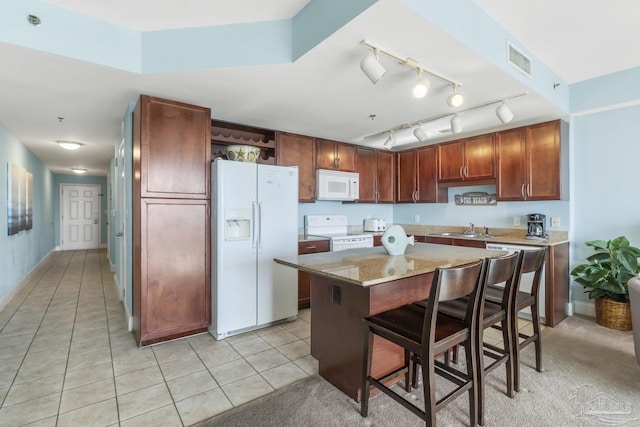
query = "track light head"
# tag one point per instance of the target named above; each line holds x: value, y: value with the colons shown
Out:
x: 372, y: 68
x: 455, y: 99
x: 456, y: 124
x: 390, y: 141
x: 421, y: 87
x: 420, y: 134
x: 504, y: 113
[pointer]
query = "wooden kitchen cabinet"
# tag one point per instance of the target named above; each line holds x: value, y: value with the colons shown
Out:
x: 417, y: 176
x: 335, y: 155
x: 304, y: 291
x: 529, y: 163
x: 470, y: 159
x: 300, y: 151
x: 377, y: 173
x: 170, y: 218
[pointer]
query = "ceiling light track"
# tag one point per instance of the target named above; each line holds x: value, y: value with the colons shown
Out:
x: 455, y: 116
x: 409, y: 62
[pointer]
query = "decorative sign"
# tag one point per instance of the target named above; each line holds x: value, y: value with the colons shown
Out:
x: 476, y: 198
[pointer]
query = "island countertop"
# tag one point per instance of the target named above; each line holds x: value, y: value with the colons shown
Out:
x: 371, y: 266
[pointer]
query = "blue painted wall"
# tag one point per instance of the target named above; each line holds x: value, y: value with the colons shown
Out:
x: 22, y: 251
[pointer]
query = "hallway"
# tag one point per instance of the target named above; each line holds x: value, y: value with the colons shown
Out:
x: 67, y: 359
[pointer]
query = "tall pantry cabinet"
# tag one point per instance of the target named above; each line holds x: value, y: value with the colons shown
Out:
x: 171, y: 229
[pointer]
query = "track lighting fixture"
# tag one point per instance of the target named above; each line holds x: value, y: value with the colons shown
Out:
x: 374, y: 71
x: 455, y: 99
x: 372, y: 68
x: 421, y: 87
x: 504, y: 113
x: 390, y: 141
x: 420, y: 134
x: 456, y: 124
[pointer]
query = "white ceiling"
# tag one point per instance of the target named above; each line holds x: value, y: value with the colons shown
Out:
x: 324, y: 93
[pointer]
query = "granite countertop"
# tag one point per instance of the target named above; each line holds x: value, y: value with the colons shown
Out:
x: 370, y: 266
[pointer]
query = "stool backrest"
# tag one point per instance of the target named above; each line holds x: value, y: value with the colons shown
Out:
x: 532, y: 262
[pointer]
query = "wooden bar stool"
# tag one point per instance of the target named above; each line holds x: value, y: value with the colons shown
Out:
x: 421, y: 331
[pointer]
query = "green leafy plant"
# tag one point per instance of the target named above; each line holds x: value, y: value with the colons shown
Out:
x: 609, y: 269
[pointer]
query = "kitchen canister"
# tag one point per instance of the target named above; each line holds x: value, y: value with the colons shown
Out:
x: 395, y: 240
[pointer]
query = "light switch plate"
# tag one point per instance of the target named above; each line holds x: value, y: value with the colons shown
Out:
x: 516, y: 220
x: 417, y: 218
x: 555, y: 221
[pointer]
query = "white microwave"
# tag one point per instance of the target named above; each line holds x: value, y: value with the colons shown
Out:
x: 337, y: 185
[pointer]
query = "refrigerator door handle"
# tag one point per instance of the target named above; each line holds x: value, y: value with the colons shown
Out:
x: 259, y: 224
x: 254, y: 234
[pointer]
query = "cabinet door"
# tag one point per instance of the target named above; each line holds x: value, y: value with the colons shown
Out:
x: 299, y: 150
x: 470, y: 243
x: 174, y: 295
x: 385, y: 176
x: 511, y: 165
x: 367, y: 169
x: 173, y: 142
x: 450, y: 161
x: 543, y: 161
x: 304, y: 291
x: 479, y: 157
x: 406, y: 182
x: 335, y: 155
x: 427, y: 174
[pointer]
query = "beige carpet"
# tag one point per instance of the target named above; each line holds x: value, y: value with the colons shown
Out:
x: 590, y: 378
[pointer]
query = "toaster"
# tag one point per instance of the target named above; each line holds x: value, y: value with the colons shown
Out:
x: 374, y: 225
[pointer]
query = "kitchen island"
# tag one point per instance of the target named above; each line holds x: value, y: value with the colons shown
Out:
x: 349, y: 285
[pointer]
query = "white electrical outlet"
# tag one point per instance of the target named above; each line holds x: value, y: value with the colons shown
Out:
x: 417, y: 218
x: 516, y: 220
x: 555, y: 221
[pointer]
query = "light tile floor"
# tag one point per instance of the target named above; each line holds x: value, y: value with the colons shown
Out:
x: 67, y: 359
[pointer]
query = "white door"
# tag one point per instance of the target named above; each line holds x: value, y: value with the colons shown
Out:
x: 80, y: 221
x: 121, y: 204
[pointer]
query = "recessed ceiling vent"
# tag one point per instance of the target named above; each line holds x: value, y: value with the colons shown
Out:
x: 518, y: 59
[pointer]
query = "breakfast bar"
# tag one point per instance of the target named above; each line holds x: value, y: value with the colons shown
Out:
x: 349, y: 285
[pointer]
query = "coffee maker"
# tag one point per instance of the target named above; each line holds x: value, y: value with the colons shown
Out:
x: 536, y: 226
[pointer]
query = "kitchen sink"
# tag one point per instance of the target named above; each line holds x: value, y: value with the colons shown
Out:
x: 465, y: 234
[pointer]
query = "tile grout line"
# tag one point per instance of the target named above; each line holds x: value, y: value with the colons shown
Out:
x: 36, y: 333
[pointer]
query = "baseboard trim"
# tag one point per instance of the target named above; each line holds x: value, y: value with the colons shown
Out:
x: 584, y: 308
x: 11, y: 293
x: 128, y: 318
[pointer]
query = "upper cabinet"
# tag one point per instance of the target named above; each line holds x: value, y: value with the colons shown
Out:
x: 335, y: 155
x: 417, y: 176
x: 171, y: 149
x: 299, y: 150
x: 376, y: 169
x: 470, y: 159
x: 529, y: 163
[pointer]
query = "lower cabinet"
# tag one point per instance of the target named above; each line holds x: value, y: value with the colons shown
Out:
x: 171, y: 294
x: 308, y: 247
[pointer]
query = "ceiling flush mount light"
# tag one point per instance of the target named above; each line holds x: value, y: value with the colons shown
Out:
x: 420, y: 134
x: 504, y: 113
x: 390, y: 141
x: 372, y: 68
x: 421, y: 87
x: 456, y: 124
x: 79, y: 171
x: 455, y: 99
x: 69, y: 145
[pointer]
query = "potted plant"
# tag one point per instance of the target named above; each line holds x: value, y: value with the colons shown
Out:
x: 605, y: 278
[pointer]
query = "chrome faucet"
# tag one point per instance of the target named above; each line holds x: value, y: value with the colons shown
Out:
x: 472, y: 228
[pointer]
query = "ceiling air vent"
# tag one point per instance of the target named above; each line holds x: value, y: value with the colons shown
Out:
x: 518, y: 59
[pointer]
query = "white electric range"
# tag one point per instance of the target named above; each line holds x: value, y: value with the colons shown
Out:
x: 335, y: 228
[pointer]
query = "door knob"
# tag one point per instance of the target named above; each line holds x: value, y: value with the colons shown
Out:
x: 119, y: 234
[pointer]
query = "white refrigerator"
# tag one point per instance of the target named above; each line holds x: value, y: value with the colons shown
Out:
x: 254, y: 220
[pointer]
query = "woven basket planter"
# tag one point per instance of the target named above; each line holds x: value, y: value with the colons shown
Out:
x: 613, y: 315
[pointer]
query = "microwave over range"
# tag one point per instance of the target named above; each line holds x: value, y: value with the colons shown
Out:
x: 337, y: 185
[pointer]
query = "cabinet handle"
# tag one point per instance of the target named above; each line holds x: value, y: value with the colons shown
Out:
x: 461, y: 174
x: 310, y: 247
x: 466, y: 173
x: 336, y: 163
x: 522, y: 190
x: 528, y: 190
x: 376, y: 196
